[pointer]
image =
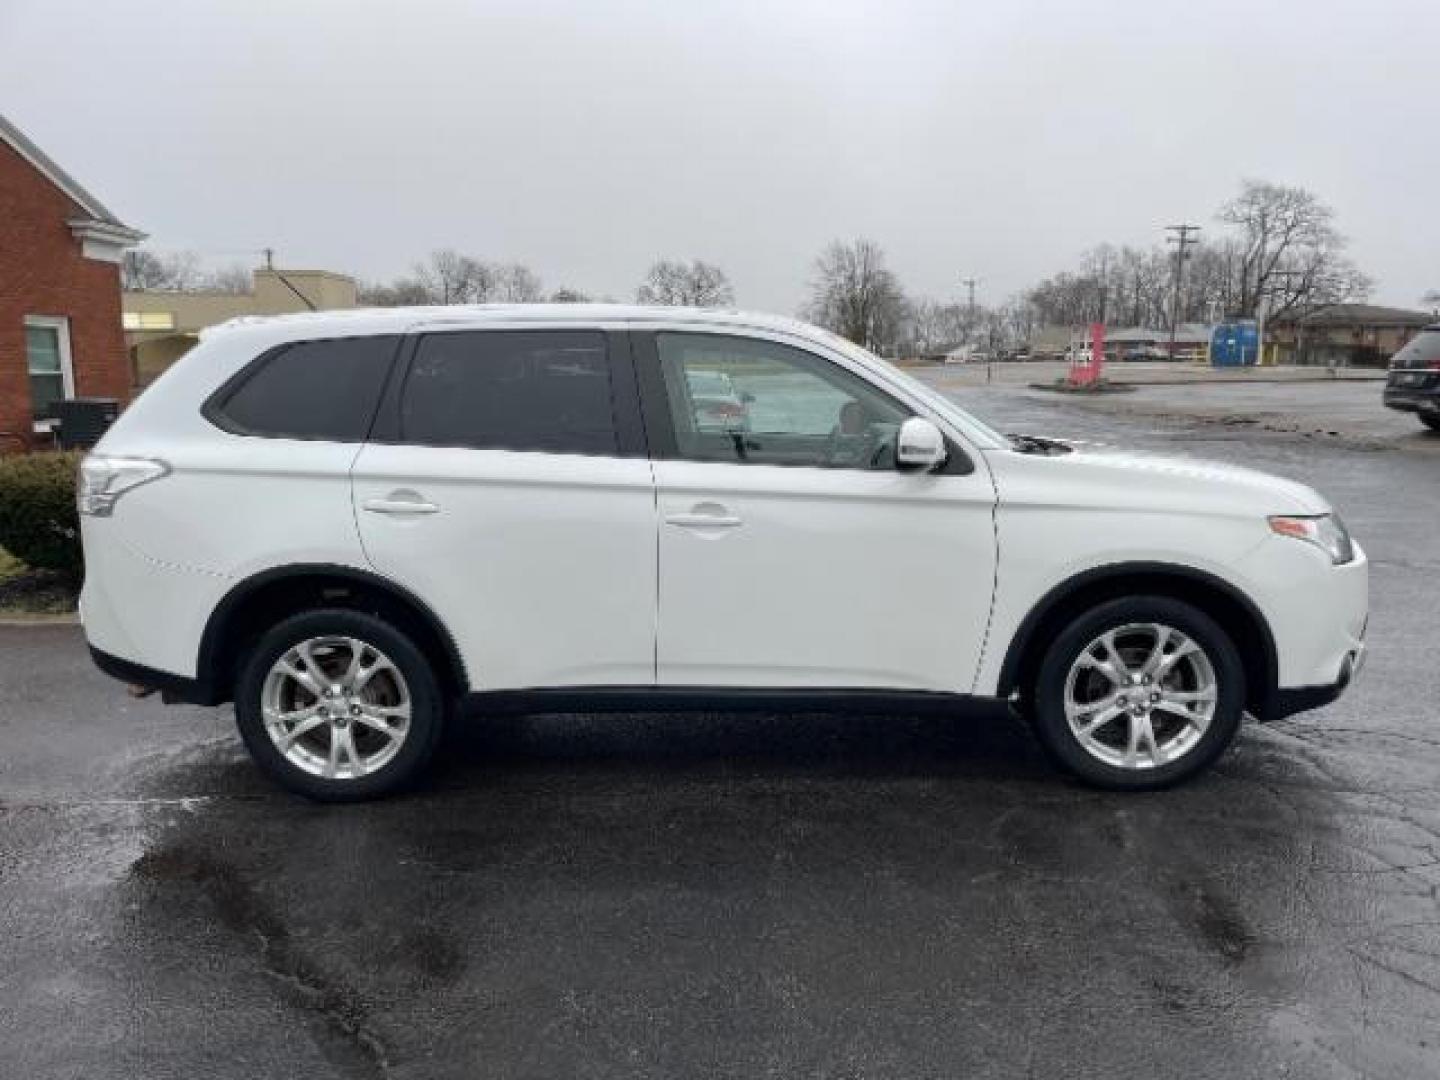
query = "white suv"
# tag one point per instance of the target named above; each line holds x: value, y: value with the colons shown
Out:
x: 350, y: 524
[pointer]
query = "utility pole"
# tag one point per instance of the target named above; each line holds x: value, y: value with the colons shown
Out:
x: 1182, y: 236
x: 269, y: 254
x: 970, y: 284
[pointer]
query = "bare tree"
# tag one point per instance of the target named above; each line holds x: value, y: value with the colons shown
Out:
x: 1284, y: 250
x: 235, y: 279
x: 928, y: 326
x: 566, y: 295
x: 1067, y: 299
x: 855, y: 294
x: 512, y: 283
x: 1020, y: 320
x: 402, y: 292
x: 1289, y: 249
x: 451, y: 278
x: 154, y: 271
x: 679, y: 284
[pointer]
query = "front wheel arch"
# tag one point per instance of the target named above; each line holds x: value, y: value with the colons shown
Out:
x: 1232, y: 609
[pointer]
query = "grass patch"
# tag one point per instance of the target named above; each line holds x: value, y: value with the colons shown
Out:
x: 10, y: 566
x: 24, y: 591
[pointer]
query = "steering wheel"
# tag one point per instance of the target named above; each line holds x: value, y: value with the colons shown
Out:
x: 843, y: 449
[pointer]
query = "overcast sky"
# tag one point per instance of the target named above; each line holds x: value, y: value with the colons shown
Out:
x: 587, y: 138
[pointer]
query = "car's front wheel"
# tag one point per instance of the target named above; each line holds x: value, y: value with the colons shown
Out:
x: 338, y: 705
x: 1139, y: 693
x: 1432, y: 421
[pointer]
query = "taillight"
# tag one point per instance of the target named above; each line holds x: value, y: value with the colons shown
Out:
x: 725, y: 408
x: 103, y: 479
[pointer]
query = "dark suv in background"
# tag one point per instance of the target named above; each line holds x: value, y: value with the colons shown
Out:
x: 1414, y: 382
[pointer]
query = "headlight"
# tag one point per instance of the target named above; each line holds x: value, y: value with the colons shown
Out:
x: 104, y: 479
x: 1325, y: 531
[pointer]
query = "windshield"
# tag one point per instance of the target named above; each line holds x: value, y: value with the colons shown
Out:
x: 934, y: 398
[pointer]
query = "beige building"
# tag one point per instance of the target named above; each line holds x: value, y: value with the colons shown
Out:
x: 160, y: 327
x: 1344, y: 335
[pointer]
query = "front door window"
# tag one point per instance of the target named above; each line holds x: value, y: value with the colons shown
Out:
x: 754, y: 402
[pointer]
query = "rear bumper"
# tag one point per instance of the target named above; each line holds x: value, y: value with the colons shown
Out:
x: 174, y: 689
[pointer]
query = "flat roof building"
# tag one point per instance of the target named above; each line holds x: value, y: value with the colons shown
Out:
x: 161, y: 326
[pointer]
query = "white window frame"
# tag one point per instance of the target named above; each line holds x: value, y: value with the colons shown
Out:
x: 61, y: 324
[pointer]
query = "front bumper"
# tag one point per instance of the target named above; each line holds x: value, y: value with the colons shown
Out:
x: 1318, y: 614
x: 1423, y: 397
x: 1291, y: 700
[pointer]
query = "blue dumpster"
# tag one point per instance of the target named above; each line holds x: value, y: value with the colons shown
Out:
x: 1234, y: 344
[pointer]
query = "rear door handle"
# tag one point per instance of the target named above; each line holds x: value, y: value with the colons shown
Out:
x: 400, y: 506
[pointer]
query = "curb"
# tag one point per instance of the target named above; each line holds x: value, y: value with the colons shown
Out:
x: 18, y: 619
x: 1084, y: 391
x: 1226, y: 381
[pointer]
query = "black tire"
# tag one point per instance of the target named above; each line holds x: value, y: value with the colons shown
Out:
x: 1432, y: 422
x: 426, y: 699
x: 1064, y: 746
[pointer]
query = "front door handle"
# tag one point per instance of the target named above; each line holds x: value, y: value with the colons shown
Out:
x: 704, y: 516
x: 400, y: 503
x: 702, y: 521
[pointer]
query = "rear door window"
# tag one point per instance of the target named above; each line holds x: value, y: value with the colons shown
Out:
x: 325, y: 390
x: 539, y: 390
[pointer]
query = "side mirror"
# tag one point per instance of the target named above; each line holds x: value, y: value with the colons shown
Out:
x: 747, y: 398
x: 919, y: 445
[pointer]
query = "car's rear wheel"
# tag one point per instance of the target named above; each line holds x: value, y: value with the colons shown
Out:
x: 339, y: 705
x: 1432, y: 422
x: 1139, y: 693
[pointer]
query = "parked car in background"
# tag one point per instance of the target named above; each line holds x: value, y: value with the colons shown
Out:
x: 1145, y: 352
x: 352, y: 524
x: 1413, y: 384
x: 715, y: 403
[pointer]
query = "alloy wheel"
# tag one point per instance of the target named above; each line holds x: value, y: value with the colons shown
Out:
x: 336, y: 707
x: 1140, y: 696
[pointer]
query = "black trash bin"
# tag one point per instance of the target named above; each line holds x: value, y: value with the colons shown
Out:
x: 81, y: 421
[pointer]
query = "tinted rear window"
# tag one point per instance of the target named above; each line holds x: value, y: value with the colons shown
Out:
x: 1422, y: 351
x: 309, y: 390
x: 511, y: 390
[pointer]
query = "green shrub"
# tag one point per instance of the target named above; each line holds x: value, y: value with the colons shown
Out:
x: 38, y: 522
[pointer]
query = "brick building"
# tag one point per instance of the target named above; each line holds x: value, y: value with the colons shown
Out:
x: 60, y: 329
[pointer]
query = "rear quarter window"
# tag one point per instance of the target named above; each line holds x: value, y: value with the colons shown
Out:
x: 325, y: 390
x: 1422, y: 351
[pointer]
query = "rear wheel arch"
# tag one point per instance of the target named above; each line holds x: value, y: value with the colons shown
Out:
x: 1235, y: 612
x: 252, y: 607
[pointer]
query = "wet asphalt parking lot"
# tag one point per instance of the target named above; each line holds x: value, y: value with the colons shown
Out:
x: 742, y: 896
